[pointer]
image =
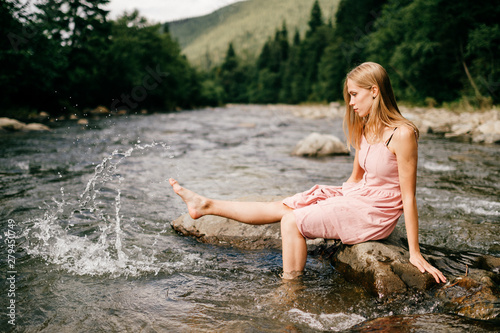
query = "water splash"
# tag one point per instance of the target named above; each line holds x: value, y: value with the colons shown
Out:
x: 324, y: 321
x: 57, y: 237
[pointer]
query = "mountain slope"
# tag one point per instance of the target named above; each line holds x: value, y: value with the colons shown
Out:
x: 248, y: 24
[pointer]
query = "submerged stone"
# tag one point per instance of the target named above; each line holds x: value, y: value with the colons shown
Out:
x: 475, y: 295
x: 433, y: 322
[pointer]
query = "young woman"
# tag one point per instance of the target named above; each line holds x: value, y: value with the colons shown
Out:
x: 368, y: 205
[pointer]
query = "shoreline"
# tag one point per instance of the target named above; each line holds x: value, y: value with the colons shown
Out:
x: 465, y: 126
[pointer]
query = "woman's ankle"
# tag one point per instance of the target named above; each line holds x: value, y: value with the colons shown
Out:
x: 293, y: 275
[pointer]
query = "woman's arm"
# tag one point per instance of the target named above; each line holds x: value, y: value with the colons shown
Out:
x: 357, y: 171
x: 404, y: 145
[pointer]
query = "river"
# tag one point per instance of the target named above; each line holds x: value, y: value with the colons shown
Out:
x: 86, y: 214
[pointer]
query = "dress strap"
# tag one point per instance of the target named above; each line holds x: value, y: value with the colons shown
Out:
x: 390, y: 138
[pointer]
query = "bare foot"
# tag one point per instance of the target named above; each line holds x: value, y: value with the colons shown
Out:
x: 196, y: 204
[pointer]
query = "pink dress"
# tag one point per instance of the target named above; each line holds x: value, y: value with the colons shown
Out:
x: 354, y: 212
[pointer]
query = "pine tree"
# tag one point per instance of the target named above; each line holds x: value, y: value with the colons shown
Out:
x: 316, y: 18
x: 233, y: 77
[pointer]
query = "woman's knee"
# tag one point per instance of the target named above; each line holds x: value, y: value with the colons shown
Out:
x: 289, y: 224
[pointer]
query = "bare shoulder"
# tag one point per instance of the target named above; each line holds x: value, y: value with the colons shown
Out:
x: 405, y: 140
x: 405, y: 133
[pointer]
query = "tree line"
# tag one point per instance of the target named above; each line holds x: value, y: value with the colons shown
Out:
x: 436, y: 51
x: 66, y: 56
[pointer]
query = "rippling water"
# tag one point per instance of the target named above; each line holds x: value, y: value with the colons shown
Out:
x: 91, y: 207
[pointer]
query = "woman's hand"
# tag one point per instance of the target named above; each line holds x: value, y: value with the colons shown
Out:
x: 418, y: 261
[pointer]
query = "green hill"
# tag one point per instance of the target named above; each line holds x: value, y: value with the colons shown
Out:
x: 248, y: 24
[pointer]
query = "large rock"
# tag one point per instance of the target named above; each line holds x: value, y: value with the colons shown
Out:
x: 222, y: 231
x: 477, y: 293
x: 7, y: 124
x: 11, y: 124
x: 36, y: 127
x: 382, y: 267
x: 218, y: 230
x: 488, y: 132
x: 318, y: 145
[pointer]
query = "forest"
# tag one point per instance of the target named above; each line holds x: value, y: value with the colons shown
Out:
x: 67, y: 56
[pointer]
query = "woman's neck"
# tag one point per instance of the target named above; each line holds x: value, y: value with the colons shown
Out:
x: 375, y: 135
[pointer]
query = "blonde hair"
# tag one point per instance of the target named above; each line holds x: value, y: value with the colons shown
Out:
x: 384, y: 111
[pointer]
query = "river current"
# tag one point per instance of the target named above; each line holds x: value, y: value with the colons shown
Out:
x: 86, y: 212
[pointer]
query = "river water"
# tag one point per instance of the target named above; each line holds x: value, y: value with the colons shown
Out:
x: 87, y: 210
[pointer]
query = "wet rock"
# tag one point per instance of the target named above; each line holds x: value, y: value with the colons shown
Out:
x: 490, y: 263
x: 317, y: 145
x: 476, y: 295
x: 7, y: 124
x: 382, y: 267
x: 222, y: 231
x: 433, y: 322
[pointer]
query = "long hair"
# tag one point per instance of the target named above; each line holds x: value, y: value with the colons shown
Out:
x: 384, y: 111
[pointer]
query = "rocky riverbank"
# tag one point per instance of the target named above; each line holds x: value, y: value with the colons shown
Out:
x: 478, y: 126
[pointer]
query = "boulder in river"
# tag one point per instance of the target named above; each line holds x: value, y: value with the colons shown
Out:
x: 218, y: 230
x: 382, y: 267
x: 474, y: 295
x: 223, y: 231
x: 318, y: 145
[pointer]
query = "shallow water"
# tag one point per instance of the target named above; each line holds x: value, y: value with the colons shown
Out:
x: 90, y: 207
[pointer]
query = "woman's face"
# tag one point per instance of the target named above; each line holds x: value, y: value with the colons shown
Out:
x: 361, y: 98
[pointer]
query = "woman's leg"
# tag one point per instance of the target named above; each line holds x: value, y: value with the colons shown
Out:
x: 294, y: 247
x: 293, y: 243
x: 246, y: 212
